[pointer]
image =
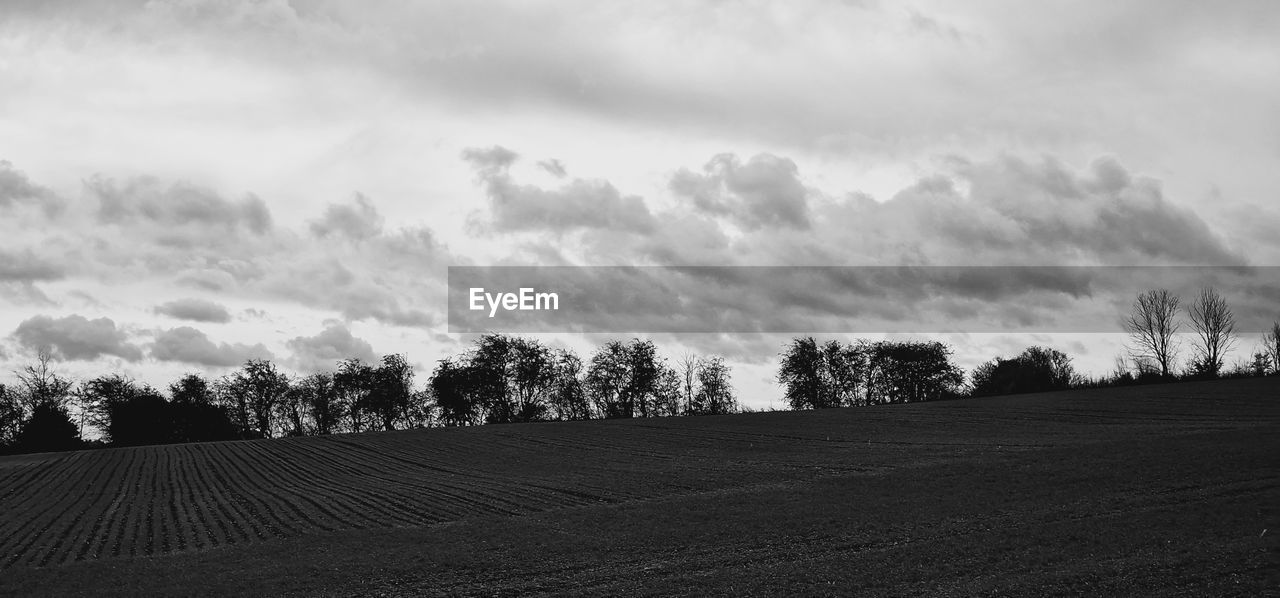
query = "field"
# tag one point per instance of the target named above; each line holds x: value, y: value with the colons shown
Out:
x: 1163, y: 489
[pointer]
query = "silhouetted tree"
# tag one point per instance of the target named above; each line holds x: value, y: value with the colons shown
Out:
x: 320, y: 403
x: 391, y: 391
x: 803, y: 374
x: 1261, y: 363
x: 451, y: 387
x: 531, y: 374
x: 1152, y: 326
x: 1271, y: 343
x: 352, y: 384
x: 715, y: 392
x: 39, y: 384
x: 98, y: 396
x: 254, y: 392
x: 902, y: 372
x: 667, y: 393
x: 1037, y: 369
x: 192, y: 389
x: 1215, y: 331
x: 822, y: 376
x: 622, y: 379
x: 11, y: 416
x: 687, y: 368
x: 845, y: 371
x: 130, y: 414
x: 568, y: 394
x: 142, y: 418
x: 48, y: 429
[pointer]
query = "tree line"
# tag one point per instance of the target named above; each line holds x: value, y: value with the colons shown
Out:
x: 508, y: 379
x: 499, y: 379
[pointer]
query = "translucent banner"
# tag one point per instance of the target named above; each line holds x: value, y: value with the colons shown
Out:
x: 855, y: 299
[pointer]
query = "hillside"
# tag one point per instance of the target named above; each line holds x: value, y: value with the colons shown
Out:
x: 1165, y: 487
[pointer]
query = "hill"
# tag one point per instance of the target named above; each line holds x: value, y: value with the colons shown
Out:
x: 1150, y: 489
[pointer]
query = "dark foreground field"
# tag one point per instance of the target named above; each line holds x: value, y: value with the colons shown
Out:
x: 1169, y: 490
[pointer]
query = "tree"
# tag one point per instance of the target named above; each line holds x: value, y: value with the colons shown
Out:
x: 715, y: 392
x: 1152, y: 326
x: 11, y: 416
x: 568, y: 395
x: 623, y: 379
x: 844, y: 371
x: 192, y: 389
x: 1215, y: 331
x: 687, y: 369
x: 100, y: 397
x: 531, y: 377
x: 254, y: 393
x: 486, y: 366
x: 129, y: 414
x: 668, y: 394
x: 48, y: 429
x: 1271, y: 342
x: 1037, y: 369
x: 451, y: 387
x: 320, y: 403
x: 352, y: 384
x: 903, y: 372
x: 1261, y: 363
x: 802, y: 373
x: 41, y: 385
x: 391, y: 390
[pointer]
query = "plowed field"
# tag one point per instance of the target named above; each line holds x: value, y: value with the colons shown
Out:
x: 1164, y: 488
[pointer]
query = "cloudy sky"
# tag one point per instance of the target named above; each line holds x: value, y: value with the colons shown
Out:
x: 189, y: 183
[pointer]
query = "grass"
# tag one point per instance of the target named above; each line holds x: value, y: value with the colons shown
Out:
x: 1146, y: 490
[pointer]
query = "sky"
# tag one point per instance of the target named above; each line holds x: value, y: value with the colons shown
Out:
x: 186, y: 184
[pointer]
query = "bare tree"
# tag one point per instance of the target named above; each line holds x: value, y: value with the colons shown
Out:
x: 687, y: 366
x: 1152, y: 327
x: 1215, y: 330
x: 40, y: 385
x: 715, y: 392
x: 1271, y: 345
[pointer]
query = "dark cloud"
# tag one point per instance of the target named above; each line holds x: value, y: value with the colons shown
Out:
x: 333, y: 344
x: 578, y: 204
x: 177, y: 205
x: 196, y: 310
x: 188, y: 345
x: 76, y: 337
x: 28, y: 267
x: 554, y: 167
x: 1009, y: 224
x: 766, y: 192
x: 356, y: 221
x: 1102, y: 213
x: 17, y: 189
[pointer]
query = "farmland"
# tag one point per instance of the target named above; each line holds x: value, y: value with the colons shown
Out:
x: 1163, y: 488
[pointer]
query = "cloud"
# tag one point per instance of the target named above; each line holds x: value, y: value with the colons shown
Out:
x: 1014, y: 219
x: 196, y: 310
x: 75, y: 337
x: 17, y: 189
x: 333, y: 344
x: 356, y: 222
x: 1102, y: 212
x: 177, y: 205
x: 766, y: 192
x: 554, y: 167
x: 578, y: 204
x: 149, y: 230
x: 28, y: 267
x: 188, y: 345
